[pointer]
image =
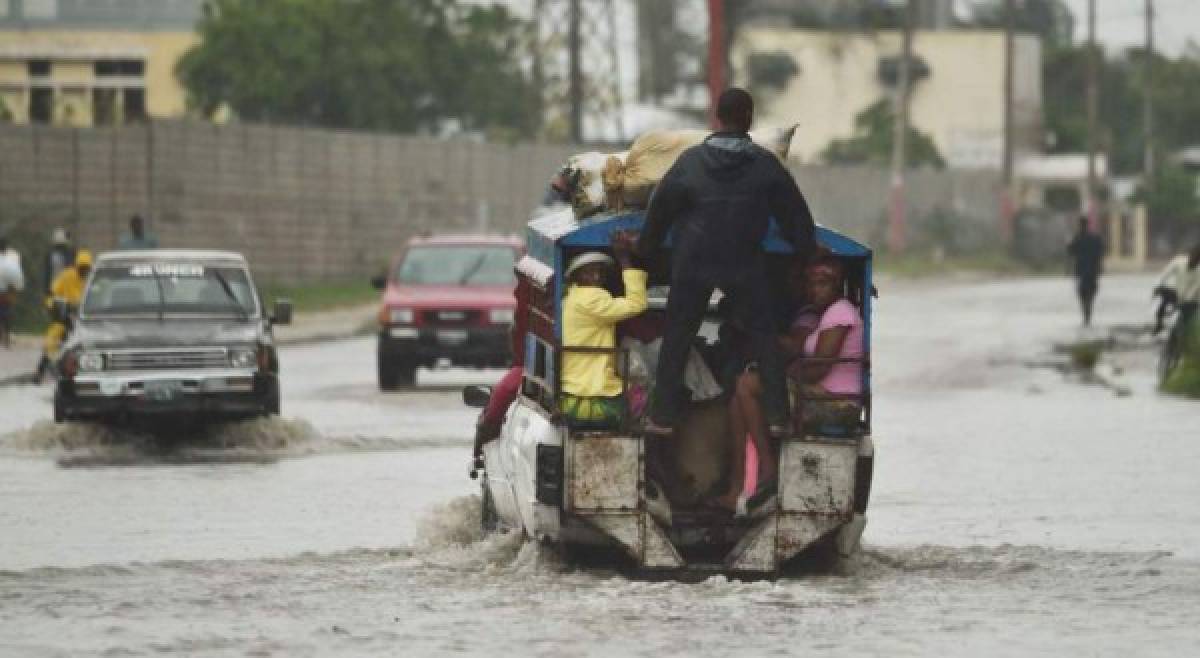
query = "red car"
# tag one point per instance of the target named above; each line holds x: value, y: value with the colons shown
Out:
x: 446, y: 297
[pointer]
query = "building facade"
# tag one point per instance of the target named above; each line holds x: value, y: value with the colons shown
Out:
x: 93, y: 62
x: 957, y: 98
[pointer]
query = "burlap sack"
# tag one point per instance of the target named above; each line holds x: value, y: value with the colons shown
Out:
x: 653, y: 153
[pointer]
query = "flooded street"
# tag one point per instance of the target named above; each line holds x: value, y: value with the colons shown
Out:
x: 1016, y: 510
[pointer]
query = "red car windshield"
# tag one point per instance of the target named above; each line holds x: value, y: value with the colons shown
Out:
x: 458, y: 265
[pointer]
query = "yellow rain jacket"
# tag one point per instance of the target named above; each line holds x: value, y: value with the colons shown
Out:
x: 590, y: 317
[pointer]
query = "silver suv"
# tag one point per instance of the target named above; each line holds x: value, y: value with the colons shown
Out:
x: 169, y: 332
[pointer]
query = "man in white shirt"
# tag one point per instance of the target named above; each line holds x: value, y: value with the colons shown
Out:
x: 1179, y: 285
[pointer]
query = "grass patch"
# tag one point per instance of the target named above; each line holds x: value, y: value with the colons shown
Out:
x: 322, y: 296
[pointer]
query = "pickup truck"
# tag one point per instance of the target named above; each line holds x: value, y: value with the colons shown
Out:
x: 165, y: 333
x: 446, y: 297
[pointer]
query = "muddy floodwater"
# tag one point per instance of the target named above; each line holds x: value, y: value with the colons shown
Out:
x: 1019, y: 508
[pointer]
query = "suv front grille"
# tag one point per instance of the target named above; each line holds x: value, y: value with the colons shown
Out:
x: 168, y: 359
x: 456, y: 317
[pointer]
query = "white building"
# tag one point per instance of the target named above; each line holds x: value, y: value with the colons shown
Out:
x: 958, y: 100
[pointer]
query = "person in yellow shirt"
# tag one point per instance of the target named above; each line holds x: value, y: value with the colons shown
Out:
x: 68, y: 285
x: 591, y: 389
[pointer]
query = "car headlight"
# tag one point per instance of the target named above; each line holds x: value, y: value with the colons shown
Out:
x: 500, y: 316
x: 90, y: 361
x: 243, y: 357
x: 400, y: 316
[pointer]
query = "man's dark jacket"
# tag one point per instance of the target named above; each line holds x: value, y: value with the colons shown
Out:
x: 720, y: 196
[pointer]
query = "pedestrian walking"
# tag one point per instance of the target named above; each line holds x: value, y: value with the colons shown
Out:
x: 60, y: 257
x: 719, y: 197
x: 137, y: 238
x: 1086, y: 250
x: 12, y: 282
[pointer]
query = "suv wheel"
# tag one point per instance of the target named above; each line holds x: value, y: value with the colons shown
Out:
x: 396, y: 374
x: 387, y: 375
x: 272, y: 406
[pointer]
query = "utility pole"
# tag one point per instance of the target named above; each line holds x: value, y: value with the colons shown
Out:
x: 899, y: 197
x: 1006, y: 202
x: 575, y: 68
x: 1148, y: 100
x: 716, y: 56
x: 1092, y: 93
x: 539, y: 71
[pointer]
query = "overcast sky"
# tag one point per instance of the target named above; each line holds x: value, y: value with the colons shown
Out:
x: 1121, y: 23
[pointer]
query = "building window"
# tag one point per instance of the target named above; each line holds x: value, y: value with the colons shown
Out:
x: 125, y: 67
x: 41, y: 104
x: 38, y: 68
x: 135, y: 105
x: 104, y: 107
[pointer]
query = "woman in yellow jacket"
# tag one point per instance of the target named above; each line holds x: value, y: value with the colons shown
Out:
x: 68, y: 286
x: 591, y: 388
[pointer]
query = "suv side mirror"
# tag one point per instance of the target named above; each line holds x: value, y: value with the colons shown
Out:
x: 379, y: 282
x: 477, y: 396
x: 281, y: 314
x: 61, y: 310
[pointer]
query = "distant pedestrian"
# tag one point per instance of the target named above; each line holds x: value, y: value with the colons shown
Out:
x: 12, y: 282
x: 1087, y: 253
x: 137, y: 238
x: 60, y: 257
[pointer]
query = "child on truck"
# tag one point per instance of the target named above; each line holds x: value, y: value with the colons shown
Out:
x: 591, y: 389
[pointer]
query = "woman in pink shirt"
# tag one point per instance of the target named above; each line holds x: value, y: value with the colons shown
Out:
x: 828, y: 380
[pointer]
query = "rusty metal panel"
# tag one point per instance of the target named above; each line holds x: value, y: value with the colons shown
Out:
x: 756, y: 551
x: 659, y: 552
x: 817, y: 478
x: 797, y: 532
x: 604, y: 473
x: 626, y: 529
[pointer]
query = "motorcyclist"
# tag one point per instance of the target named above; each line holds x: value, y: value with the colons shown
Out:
x: 67, y: 286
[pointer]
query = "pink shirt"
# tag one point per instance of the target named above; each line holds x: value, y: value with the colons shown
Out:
x: 843, y: 377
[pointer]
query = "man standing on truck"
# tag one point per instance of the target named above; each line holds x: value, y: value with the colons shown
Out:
x: 719, y: 197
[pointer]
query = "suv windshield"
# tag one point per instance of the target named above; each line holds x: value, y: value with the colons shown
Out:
x: 458, y: 265
x: 169, y: 288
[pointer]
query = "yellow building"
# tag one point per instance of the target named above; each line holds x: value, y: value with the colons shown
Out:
x: 828, y: 78
x: 83, y: 62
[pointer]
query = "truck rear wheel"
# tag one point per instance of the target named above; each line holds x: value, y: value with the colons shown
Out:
x: 488, y: 519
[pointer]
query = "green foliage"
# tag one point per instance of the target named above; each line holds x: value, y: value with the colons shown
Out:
x: 770, y: 71
x: 1172, y: 197
x: 1122, y: 86
x: 872, y: 142
x: 368, y: 64
x: 1049, y: 19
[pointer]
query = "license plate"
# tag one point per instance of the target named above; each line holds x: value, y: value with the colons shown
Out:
x: 163, y: 390
x: 452, y: 316
x: 452, y: 336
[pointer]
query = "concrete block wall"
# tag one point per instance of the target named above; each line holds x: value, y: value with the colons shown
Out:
x: 307, y: 204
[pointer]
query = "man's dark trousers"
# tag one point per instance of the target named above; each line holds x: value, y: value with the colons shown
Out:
x: 687, y: 303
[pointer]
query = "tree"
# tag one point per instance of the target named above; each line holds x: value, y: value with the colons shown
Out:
x: 872, y: 142
x: 362, y: 64
x: 1049, y: 19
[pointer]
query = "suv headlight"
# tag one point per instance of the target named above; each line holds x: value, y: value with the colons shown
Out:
x: 500, y: 316
x: 90, y: 361
x: 400, y: 316
x: 243, y: 357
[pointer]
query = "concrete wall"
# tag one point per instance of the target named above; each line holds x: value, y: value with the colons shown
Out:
x: 300, y: 203
x: 307, y: 204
